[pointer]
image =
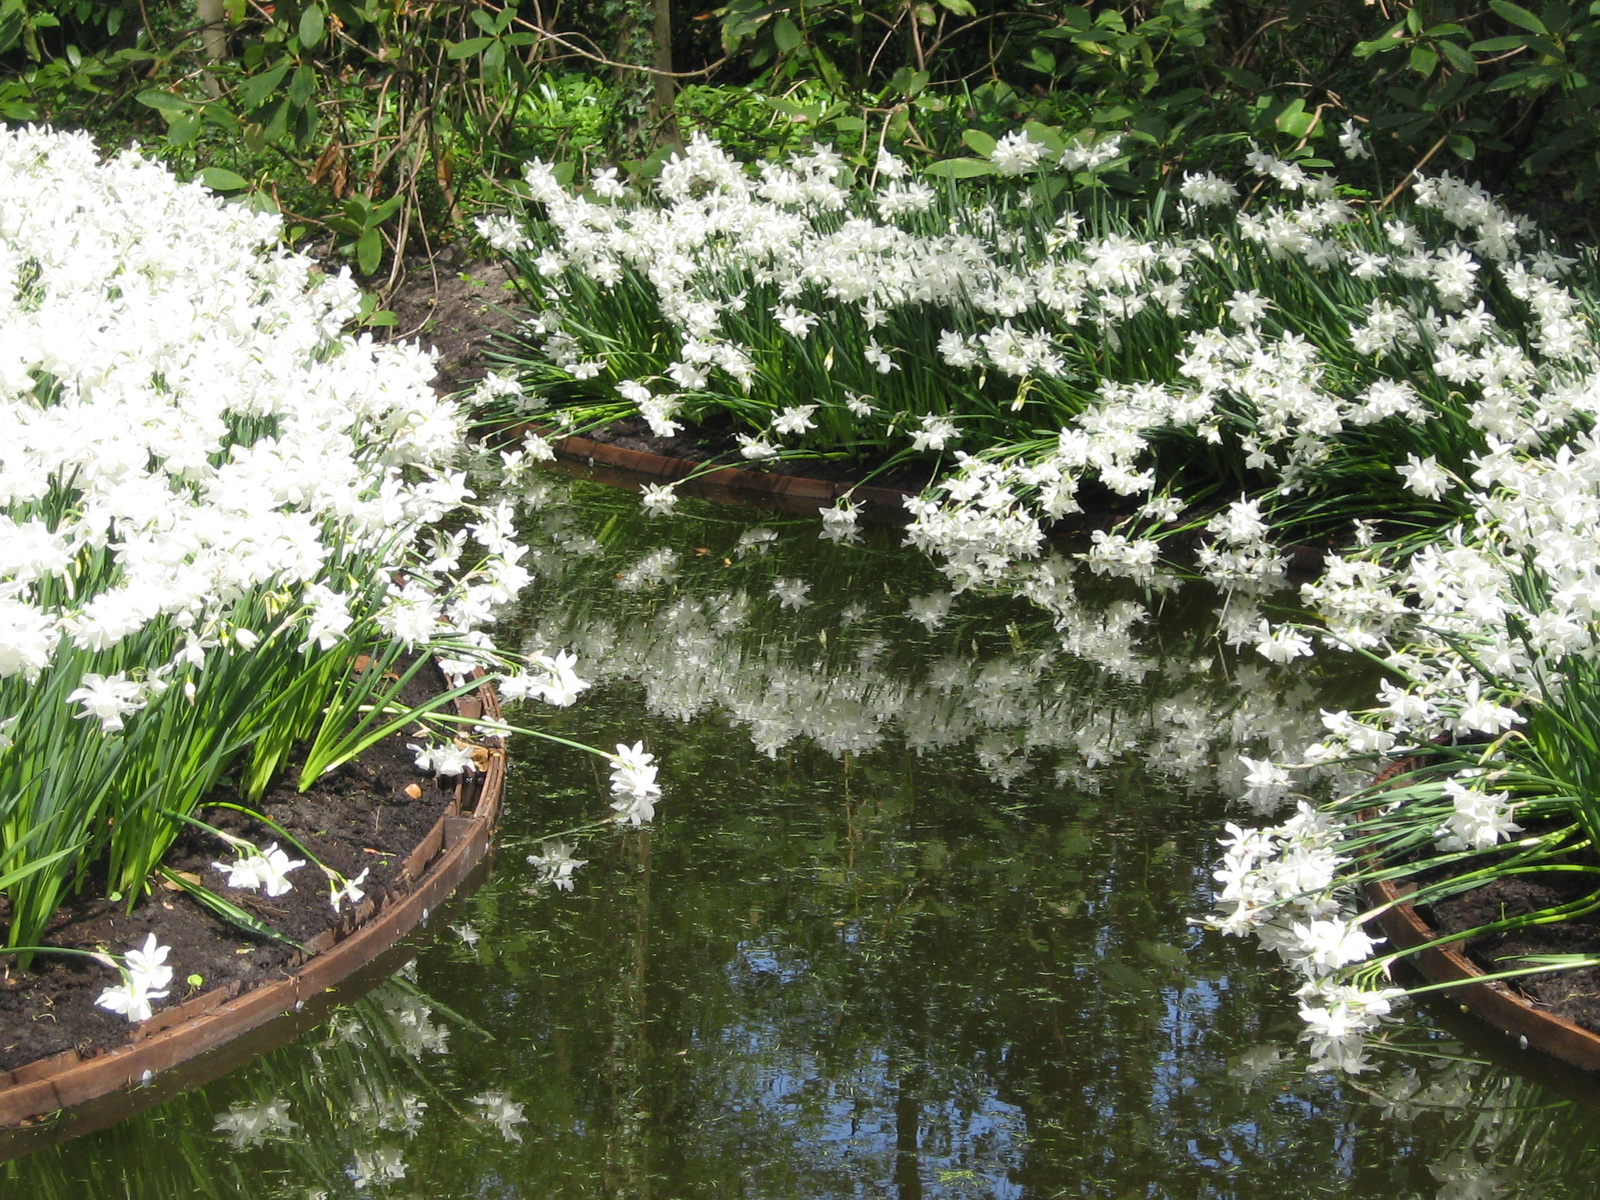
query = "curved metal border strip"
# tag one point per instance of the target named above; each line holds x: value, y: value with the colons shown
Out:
x: 175, y: 1035
x: 1494, y: 1002
x: 738, y: 479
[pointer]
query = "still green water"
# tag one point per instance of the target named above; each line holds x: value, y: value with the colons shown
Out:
x: 911, y: 922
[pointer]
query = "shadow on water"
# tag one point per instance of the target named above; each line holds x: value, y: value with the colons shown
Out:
x: 911, y: 922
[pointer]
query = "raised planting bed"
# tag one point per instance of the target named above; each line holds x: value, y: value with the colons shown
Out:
x: 1504, y: 1005
x: 1559, y: 1013
x: 415, y: 836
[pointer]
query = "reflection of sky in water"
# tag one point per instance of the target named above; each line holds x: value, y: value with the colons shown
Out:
x: 867, y: 1122
x: 910, y: 923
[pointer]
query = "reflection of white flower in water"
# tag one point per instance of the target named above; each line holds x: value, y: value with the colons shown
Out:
x: 1257, y: 1063
x: 757, y: 538
x: 1463, y: 1177
x: 555, y: 863
x: 268, y: 870
x: 930, y: 610
x: 499, y: 1109
x: 791, y: 593
x: 379, y: 1106
x: 839, y: 522
x: 251, y: 1124
x: 633, y: 783
x: 467, y: 934
x: 410, y: 1020
x: 658, y: 566
x: 658, y: 498
x: 381, y: 1165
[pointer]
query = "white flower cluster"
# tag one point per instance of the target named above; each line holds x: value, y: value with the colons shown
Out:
x: 197, y: 459
x: 1279, y: 884
x: 201, y: 474
x: 1492, y: 622
x: 1428, y: 332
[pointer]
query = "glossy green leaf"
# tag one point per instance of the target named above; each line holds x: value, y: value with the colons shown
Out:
x: 369, y: 251
x: 220, y: 179
x: 978, y: 142
x: 165, y: 103
x: 313, y: 22
x: 959, y: 168
x: 786, y: 34
x: 1518, y: 15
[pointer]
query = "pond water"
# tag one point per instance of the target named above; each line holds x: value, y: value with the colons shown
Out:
x: 911, y: 921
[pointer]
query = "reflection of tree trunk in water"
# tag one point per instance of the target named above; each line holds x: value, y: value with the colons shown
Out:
x: 627, y: 1154
x: 907, y: 1175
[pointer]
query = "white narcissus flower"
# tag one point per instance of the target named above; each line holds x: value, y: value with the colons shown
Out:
x: 145, y: 977
x: 268, y: 870
x: 108, y: 698
x: 341, y: 890
x: 658, y: 498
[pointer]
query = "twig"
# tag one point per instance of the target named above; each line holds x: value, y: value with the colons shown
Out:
x: 1422, y: 162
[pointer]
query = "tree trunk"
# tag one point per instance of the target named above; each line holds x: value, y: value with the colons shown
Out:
x: 663, y: 114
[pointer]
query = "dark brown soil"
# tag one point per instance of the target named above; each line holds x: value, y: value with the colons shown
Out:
x: 452, y: 305
x: 359, y: 817
x: 1574, y: 995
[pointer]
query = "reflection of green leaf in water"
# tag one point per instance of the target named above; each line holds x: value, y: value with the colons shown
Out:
x: 1165, y: 955
x: 1119, y: 977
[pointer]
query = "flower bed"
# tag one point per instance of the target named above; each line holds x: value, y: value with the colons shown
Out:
x: 221, y: 584
x: 421, y: 847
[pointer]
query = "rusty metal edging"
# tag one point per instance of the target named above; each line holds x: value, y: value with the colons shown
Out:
x: 738, y: 479
x: 1496, y: 1003
x: 189, y: 1030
